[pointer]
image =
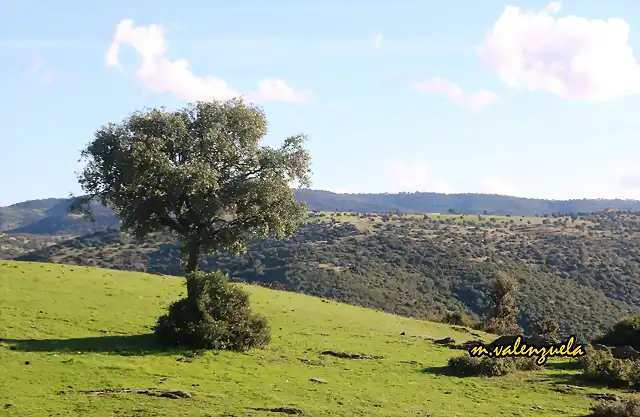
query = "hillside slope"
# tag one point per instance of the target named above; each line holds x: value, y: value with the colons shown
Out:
x: 68, y: 329
x: 48, y: 216
x: 583, y: 272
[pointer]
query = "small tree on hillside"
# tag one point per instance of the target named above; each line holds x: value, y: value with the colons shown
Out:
x: 503, y: 294
x: 198, y: 172
x: 546, y: 328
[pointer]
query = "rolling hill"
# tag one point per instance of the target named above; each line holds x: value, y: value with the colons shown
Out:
x: 69, y: 334
x: 583, y: 271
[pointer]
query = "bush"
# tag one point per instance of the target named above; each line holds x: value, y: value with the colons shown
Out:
x: 546, y: 328
x: 625, y: 408
x: 433, y: 317
x: 485, y: 366
x: 600, y: 366
x: 458, y: 319
x: 624, y: 333
x: 216, y: 316
x: 501, y: 327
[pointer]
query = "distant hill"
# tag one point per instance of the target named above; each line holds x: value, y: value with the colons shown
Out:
x: 581, y: 271
x: 48, y: 216
x: 460, y: 203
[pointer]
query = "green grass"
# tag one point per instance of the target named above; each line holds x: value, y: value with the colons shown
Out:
x: 88, y: 329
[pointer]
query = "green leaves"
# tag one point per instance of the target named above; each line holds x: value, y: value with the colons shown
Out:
x: 200, y: 172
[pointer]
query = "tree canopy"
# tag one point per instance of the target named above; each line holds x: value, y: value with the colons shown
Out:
x: 200, y: 172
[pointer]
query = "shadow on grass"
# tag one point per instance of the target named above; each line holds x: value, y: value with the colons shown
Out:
x: 569, y: 373
x: 440, y: 371
x: 133, y: 345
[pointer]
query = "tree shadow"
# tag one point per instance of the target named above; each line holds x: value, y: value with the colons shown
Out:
x: 131, y: 345
x: 440, y: 371
x: 575, y: 377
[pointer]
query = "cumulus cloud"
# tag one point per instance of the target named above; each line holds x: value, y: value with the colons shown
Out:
x: 452, y: 91
x: 572, y: 57
x: 377, y: 40
x: 159, y: 73
x: 415, y: 176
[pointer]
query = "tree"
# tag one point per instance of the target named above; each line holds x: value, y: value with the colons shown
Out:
x: 503, y: 294
x: 198, y: 172
x: 546, y: 328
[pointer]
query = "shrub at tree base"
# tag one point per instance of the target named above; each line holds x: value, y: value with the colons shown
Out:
x: 600, y: 366
x: 624, y: 408
x: 215, y: 315
x: 470, y: 366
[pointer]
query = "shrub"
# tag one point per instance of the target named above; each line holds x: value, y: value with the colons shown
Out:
x: 625, y: 408
x: 466, y: 365
x: 217, y: 315
x: 501, y: 327
x: 458, y: 319
x: 624, y: 333
x: 600, y: 366
x: 433, y: 317
x: 546, y: 328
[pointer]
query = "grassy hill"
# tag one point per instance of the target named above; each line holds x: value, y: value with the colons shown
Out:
x: 582, y: 271
x: 68, y: 329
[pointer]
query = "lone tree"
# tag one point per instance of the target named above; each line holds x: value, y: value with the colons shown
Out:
x: 198, y: 172
x: 503, y: 294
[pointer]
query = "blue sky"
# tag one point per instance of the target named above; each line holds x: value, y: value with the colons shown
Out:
x: 525, y: 98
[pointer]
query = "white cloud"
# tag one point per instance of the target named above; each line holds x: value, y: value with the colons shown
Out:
x: 377, y: 40
x: 449, y: 89
x: 415, y: 176
x: 572, y: 57
x: 273, y: 89
x: 160, y: 74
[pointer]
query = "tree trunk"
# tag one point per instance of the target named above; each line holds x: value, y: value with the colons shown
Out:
x: 192, y: 260
x: 192, y: 267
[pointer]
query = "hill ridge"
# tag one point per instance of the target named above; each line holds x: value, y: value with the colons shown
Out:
x: 17, y: 216
x: 415, y: 267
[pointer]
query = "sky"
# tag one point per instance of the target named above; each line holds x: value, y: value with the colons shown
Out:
x: 527, y: 98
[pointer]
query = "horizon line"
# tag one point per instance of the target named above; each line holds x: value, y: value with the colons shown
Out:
x: 399, y: 193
